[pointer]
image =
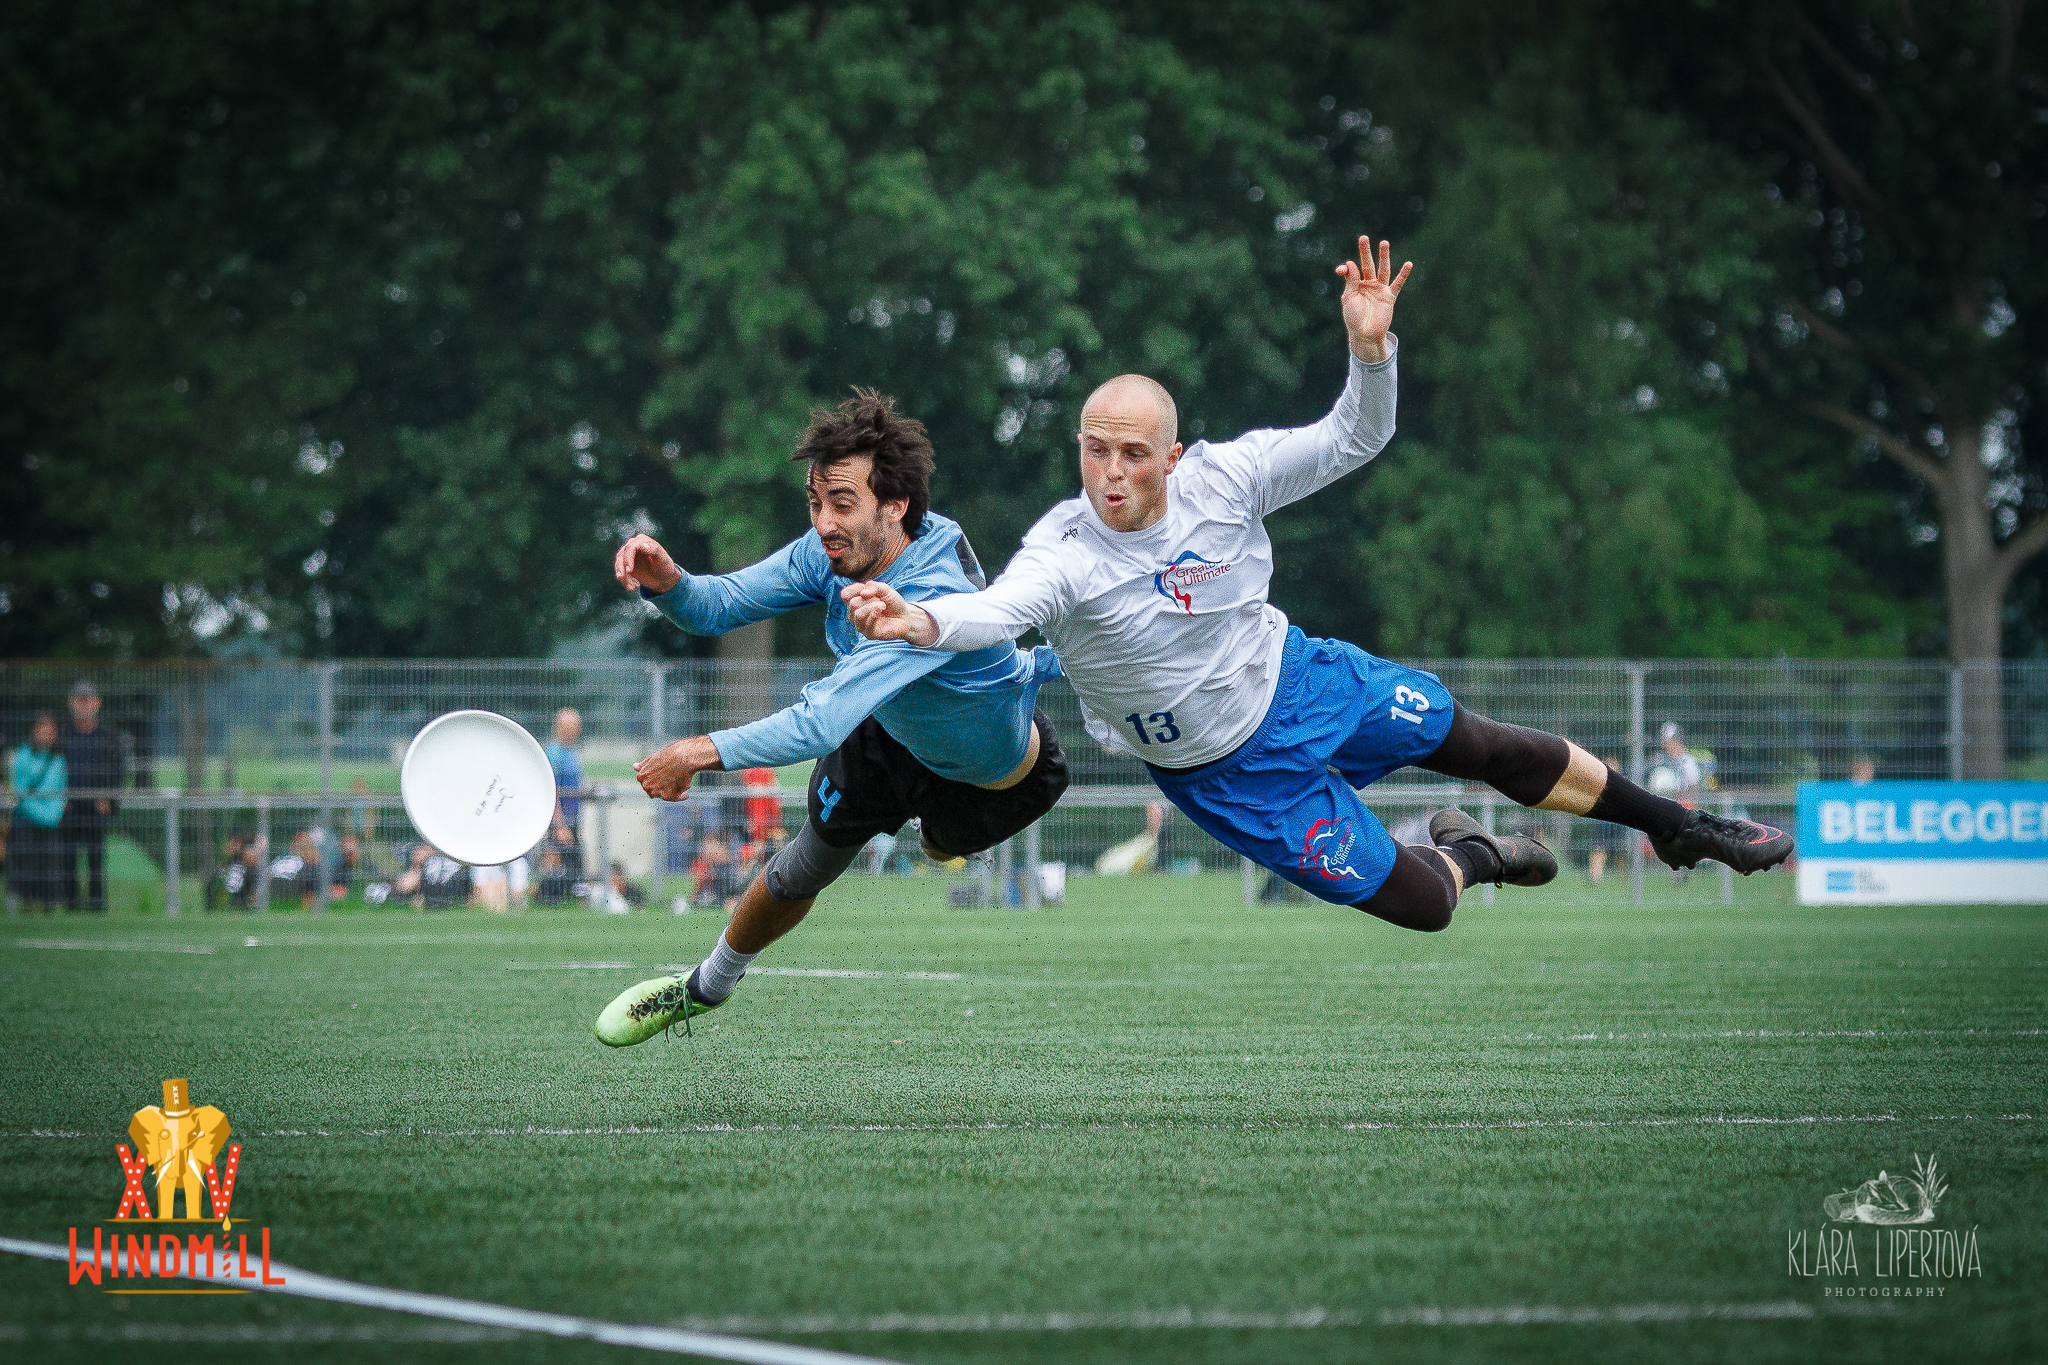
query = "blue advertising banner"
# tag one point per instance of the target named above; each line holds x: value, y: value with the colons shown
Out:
x: 1923, y: 842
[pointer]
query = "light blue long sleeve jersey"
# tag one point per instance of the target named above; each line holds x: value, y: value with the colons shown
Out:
x: 965, y: 716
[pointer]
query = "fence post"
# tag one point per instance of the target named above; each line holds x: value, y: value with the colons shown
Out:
x: 1248, y: 880
x: 603, y: 796
x: 262, y: 855
x: 657, y: 701
x: 1033, y: 887
x: 1486, y: 822
x: 330, y: 843
x: 1955, y: 723
x: 171, y: 874
x: 1727, y: 872
x: 1635, y: 773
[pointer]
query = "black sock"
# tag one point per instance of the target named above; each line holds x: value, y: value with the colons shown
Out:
x: 1478, y: 862
x: 1622, y: 802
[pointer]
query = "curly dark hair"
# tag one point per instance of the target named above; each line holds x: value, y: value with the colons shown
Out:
x: 868, y: 424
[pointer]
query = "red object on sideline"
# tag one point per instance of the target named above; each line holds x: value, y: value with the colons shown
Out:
x: 764, y: 813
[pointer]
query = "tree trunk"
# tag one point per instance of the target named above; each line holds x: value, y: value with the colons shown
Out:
x: 1974, y: 581
x: 192, y: 728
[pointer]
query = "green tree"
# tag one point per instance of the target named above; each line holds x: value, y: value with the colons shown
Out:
x: 1911, y: 141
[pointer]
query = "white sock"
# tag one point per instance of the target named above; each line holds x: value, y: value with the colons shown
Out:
x: 720, y: 972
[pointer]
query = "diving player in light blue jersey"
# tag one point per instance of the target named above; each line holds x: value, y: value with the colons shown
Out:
x: 951, y: 738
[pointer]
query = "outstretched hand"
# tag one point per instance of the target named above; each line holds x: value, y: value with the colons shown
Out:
x: 666, y: 774
x: 879, y: 612
x: 642, y: 563
x: 1369, y: 294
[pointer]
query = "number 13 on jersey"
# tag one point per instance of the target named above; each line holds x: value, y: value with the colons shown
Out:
x: 1157, y: 728
x: 1408, y: 697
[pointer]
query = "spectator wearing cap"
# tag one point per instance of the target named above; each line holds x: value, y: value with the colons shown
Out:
x: 36, y: 772
x: 1685, y: 774
x: 92, y: 752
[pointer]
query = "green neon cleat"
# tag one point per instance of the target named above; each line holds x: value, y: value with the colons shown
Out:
x: 650, y: 1008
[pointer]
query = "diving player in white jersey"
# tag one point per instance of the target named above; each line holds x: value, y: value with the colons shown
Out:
x: 1151, y: 588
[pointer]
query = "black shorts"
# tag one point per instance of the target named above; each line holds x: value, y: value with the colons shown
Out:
x: 872, y: 785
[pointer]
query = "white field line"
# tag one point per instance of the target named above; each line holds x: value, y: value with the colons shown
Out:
x: 815, y: 1324
x: 267, y: 1334
x: 842, y: 972
x: 672, y: 1340
x: 1167, y: 1319
x: 1525, y: 1315
x: 1360, y: 1125
x: 846, y: 973
x: 1298, y: 1320
x: 1768, y: 1035
x: 87, y: 945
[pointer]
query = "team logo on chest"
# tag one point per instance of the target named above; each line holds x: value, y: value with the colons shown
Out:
x: 1177, y: 581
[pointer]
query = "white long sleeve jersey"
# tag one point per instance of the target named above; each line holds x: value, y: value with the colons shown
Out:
x: 1166, y: 633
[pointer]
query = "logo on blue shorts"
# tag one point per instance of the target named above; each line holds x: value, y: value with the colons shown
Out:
x: 1326, y: 850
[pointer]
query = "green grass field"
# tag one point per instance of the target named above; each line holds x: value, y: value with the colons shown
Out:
x: 1153, y: 1099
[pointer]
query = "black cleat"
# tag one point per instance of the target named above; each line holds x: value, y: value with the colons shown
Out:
x: 1744, y: 845
x: 1524, y: 861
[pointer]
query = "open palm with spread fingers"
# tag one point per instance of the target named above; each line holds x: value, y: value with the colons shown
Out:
x: 1369, y: 294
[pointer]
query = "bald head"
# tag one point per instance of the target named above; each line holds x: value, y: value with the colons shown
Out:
x: 1129, y: 396
x: 1128, y: 447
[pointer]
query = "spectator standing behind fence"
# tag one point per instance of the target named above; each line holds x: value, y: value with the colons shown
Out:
x: 568, y: 767
x: 37, y: 773
x: 1678, y: 773
x: 92, y: 753
x: 1609, y: 841
x: 1862, y: 770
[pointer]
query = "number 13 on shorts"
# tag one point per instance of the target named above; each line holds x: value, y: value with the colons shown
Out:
x: 1413, y: 701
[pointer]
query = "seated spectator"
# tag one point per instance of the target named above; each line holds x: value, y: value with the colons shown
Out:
x: 231, y: 885
x: 37, y: 773
x: 557, y: 885
x: 433, y: 880
x: 718, y: 874
x: 1862, y: 770
x: 562, y: 838
x: 297, y: 873
x: 621, y: 894
x: 348, y: 867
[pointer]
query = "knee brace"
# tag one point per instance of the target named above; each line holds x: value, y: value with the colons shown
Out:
x: 805, y: 866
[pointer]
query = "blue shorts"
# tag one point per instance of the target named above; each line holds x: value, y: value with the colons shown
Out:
x: 1341, y: 718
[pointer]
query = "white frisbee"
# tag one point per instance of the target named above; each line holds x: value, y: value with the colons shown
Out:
x: 478, y: 787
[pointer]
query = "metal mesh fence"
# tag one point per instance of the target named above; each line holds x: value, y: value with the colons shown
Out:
x: 296, y: 759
